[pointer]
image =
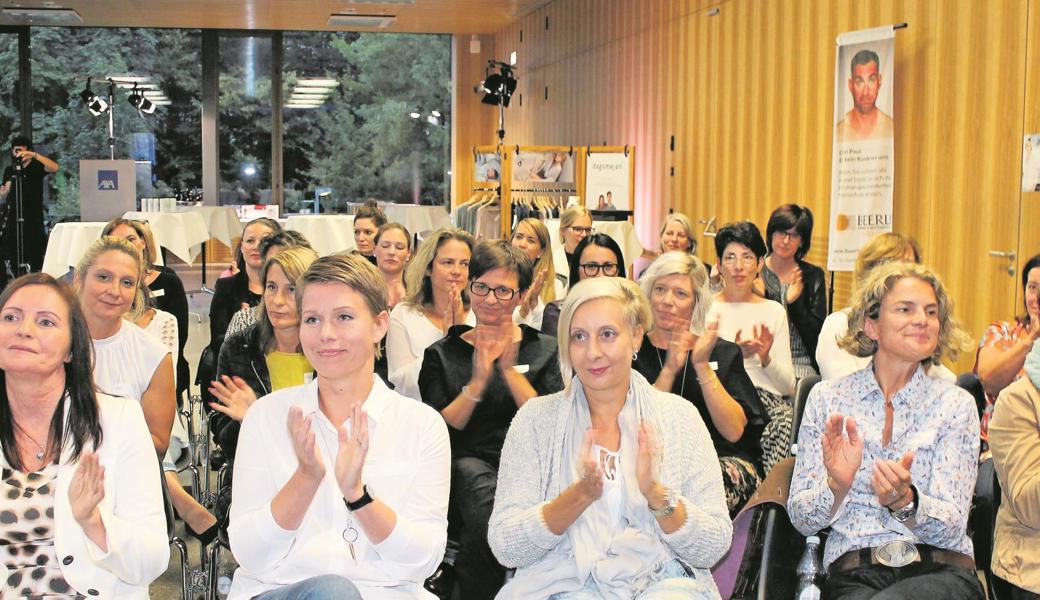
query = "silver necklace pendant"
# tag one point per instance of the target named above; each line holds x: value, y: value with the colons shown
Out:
x: 350, y: 535
x: 39, y: 455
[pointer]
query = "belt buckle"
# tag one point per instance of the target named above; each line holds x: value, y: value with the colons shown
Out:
x: 896, y: 553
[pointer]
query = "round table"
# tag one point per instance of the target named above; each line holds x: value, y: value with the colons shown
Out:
x: 621, y: 232
x: 66, y: 245
x: 180, y: 233
x: 327, y: 234
x: 222, y: 222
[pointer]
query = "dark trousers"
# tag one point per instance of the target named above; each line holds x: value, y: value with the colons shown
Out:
x: 473, y: 484
x: 917, y: 581
x: 1017, y: 593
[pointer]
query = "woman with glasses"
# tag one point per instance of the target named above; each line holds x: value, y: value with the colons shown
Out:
x: 798, y: 286
x: 598, y: 255
x: 759, y: 327
x: 575, y: 225
x: 477, y: 378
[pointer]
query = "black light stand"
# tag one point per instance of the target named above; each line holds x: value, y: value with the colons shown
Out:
x: 20, y: 266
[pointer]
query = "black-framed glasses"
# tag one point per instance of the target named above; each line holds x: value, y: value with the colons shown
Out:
x: 482, y: 289
x: 584, y: 230
x: 592, y: 269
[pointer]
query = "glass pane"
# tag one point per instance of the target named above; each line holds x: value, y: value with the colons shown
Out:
x: 245, y: 120
x: 166, y: 143
x: 381, y: 132
x: 10, y: 121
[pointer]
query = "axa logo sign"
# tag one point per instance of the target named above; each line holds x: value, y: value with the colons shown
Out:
x: 108, y: 180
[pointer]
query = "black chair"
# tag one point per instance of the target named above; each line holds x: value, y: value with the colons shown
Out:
x: 175, y: 541
x: 970, y: 383
x: 801, y: 396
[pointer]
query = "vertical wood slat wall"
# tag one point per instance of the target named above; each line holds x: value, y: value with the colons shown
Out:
x: 748, y: 95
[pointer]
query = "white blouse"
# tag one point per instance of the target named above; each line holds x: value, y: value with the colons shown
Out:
x: 410, y: 334
x: 163, y: 327
x: 125, y: 362
x: 778, y: 377
x: 408, y: 467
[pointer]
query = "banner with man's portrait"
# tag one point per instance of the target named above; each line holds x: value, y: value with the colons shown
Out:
x: 863, y: 158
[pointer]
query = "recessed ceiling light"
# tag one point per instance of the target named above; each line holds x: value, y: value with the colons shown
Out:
x: 361, y: 21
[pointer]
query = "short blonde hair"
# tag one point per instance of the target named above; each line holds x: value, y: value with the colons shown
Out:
x: 882, y: 249
x: 143, y: 231
x: 634, y: 306
x: 681, y: 263
x: 353, y: 271
x: 687, y: 226
x: 111, y: 243
x: 418, y: 288
x: 867, y: 305
x: 545, y: 263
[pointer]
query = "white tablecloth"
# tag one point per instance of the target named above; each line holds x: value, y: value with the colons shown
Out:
x: 181, y: 233
x: 621, y: 231
x: 418, y: 219
x: 328, y: 234
x: 222, y: 222
x: 66, y: 245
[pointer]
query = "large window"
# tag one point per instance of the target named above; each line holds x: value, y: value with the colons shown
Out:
x: 10, y: 122
x: 245, y: 119
x: 382, y: 132
x: 165, y: 144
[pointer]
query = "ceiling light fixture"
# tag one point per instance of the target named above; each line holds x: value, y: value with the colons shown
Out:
x: 95, y: 104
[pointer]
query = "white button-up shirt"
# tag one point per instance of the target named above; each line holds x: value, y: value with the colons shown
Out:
x: 407, y: 467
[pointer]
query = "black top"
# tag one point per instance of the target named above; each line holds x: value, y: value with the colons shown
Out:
x: 172, y: 299
x: 228, y: 296
x: 371, y: 258
x: 448, y: 366
x: 730, y: 371
x: 240, y: 356
x: 809, y: 310
x: 551, y: 317
x: 33, y: 240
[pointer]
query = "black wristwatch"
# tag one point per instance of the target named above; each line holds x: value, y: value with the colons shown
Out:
x: 361, y: 502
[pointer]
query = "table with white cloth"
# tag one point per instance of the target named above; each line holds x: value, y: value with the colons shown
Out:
x: 621, y: 232
x: 180, y: 233
x: 327, y: 234
x: 417, y: 219
x: 222, y: 221
x: 67, y: 243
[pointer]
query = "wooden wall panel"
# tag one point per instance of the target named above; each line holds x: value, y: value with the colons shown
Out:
x: 746, y: 88
x: 472, y: 123
x: 1029, y: 215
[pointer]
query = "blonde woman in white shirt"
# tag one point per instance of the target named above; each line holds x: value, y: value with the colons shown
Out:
x: 759, y: 327
x: 436, y: 299
x: 341, y: 485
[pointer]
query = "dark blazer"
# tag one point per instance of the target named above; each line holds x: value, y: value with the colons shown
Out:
x: 240, y: 356
x: 809, y: 310
x: 228, y: 295
x: 551, y: 317
x: 730, y: 370
x: 448, y: 366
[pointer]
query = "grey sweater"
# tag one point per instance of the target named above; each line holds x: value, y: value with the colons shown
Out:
x: 530, y: 476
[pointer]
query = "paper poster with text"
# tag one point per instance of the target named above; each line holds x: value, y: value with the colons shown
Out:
x: 863, y: 159
x: 607, y: 178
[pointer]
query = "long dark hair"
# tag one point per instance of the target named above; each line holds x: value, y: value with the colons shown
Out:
x: 84, y: 423
x: 1032, y: 263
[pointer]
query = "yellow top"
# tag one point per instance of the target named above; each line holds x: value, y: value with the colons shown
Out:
x: 288, y: 369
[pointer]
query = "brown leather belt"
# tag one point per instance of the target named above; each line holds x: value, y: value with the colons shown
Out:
x: 866, y: 557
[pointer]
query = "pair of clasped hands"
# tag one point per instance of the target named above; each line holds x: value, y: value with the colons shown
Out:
x: 843, y: 454
x: 350, y: 453
x: 590, y: 482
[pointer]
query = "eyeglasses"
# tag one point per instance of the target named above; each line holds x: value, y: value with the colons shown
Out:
x: 592, y: 269
x: 482, y: 289
x: 584, y: 230
x: 744, y: 259
x: 789, y: 235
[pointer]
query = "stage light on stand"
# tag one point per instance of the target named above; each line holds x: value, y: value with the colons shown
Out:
x: 95, y: 104
x: 138, y: 101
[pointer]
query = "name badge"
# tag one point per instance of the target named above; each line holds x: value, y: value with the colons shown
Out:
x: 714, y: 365
x: 158, y: 292
x: 522, y: 368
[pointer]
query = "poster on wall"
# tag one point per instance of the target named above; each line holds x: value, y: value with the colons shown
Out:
x: 488, y: 167
x: 543, y: 167
x: 1031, y: 163
x: 607, y: 179
x: 862, y: 160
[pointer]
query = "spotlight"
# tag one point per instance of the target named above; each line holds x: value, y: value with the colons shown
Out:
x: 414, y: 115
x: 138, y: 101
x: 95, y: 104
x: 498, y: 87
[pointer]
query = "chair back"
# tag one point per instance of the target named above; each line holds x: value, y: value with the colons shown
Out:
x: 801, y: 396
